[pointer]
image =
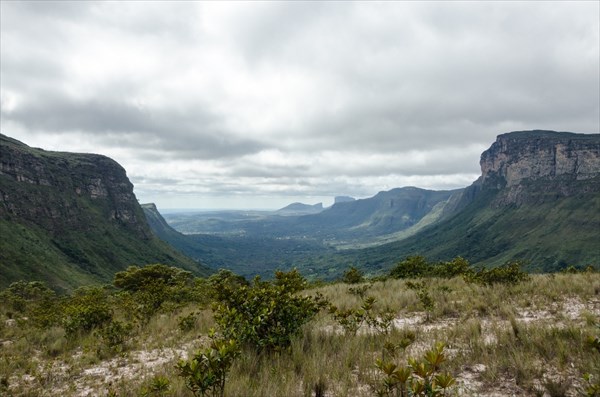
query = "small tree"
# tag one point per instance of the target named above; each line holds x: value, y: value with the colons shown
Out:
x: 411, y: 267
x: 353, y: 276
x: 264, y: 315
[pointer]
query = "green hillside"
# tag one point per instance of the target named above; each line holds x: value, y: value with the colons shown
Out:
x: 71, y: 219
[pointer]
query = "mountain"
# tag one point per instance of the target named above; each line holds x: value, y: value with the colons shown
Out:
x: 343, y: 199
x: 300, y: 209
x: 537, y: 200
x: 72, y: 219
x: 388, y: 216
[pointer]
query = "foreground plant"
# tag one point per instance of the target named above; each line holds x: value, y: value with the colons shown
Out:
x: 419, y: 378
x: 205, y: 374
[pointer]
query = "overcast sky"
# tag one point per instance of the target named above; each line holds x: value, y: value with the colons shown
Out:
x: 257, y: 105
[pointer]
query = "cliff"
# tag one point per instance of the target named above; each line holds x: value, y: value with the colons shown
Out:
x: 71, y: 219
x: 537, y: 200
x: 537, y: 166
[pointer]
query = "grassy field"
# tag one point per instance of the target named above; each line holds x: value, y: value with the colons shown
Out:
x: 526, y: 339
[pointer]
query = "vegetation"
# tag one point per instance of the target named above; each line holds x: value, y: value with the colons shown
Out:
x: 522, y: 336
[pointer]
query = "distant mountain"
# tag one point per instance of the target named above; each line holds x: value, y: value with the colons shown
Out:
x: 391, y: 215
x: 387, y: 216
x: 343, y: 199
x: 72, y: 219
x: 300, y: 209
x: 538, y: 200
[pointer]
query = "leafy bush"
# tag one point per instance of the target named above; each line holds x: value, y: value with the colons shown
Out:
x: 33, y: 300
x: 263, y: 315
x: 509, y: 273
x: 353, y: 276
x: 292, y: 281
x: 114, y: 335
x: 456, y: 267
x: 205, y: 374
x: 149, y: 287
x: 411, y: 267
x: 87, y: 309
x: 187, y: 323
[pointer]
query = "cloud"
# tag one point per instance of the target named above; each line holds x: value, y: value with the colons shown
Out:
x: 303, y: 99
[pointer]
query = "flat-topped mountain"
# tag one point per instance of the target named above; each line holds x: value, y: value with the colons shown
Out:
x: 538, y: 200
x: 71, y: 219
x: 300, y: 209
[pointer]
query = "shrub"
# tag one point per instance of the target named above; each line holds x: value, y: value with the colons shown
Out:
x: 187, y: 323
x: 411, y: 267
x: 509, y: 273
x: 456, y: 267
x: 264, y: 315
x: 151, y: 286
x: 292, y: 281
x: 87, y: 309
x: 34, y: 300
x: 353, y: 276
x: 419, y: 378
x: 114, y: 335
x: 423, y: 296
x: 205, y: 374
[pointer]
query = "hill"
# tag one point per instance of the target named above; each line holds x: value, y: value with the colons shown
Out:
x: 300, y: 209
x: 72, y: 219
x: 537, y: 200
x: 389, y: 215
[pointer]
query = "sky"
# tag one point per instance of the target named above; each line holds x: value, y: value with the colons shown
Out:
x: 261, y: 104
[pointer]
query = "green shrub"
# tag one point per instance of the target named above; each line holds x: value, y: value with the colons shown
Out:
x: 114, y: 335
x: 509, y: 273
x: 87, y: 309
x: 411, y: 267
x: 159, y: 386
x: 205, y: 374
x: 456, y: 267
x: 187, y: 323
x: 292, y: 281
x: 263, y: 315
x: 149, y: 287
x: 353, y: 276
x: 419, y: 378
x: 423, y: 296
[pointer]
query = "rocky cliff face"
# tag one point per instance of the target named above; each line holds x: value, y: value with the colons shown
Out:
x: 534, y: 166
x: 57, y: 189
x: 71, y: 219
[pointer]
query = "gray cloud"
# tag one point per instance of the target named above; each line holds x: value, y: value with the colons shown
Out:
x: 300, y: 99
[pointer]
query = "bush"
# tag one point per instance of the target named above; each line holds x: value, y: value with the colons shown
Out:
x: 292, y: 281
x: 456, y: 267
x: 411, y: 267
x: 509, y: 273
x: 87, y: 309
x: 353, y: 276
x: 264, y: 315
x: 151, y: 286
x: 205, y: 374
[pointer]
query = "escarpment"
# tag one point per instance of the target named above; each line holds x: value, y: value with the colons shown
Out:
x: 541, y: 166
x: 71, y: 219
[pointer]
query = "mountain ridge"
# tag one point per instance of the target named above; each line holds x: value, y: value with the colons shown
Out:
x: 71, y: 219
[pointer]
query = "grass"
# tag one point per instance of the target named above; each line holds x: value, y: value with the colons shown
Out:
x: 522, y: 339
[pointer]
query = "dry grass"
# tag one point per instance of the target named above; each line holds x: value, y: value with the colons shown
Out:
x: 527, y: 339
